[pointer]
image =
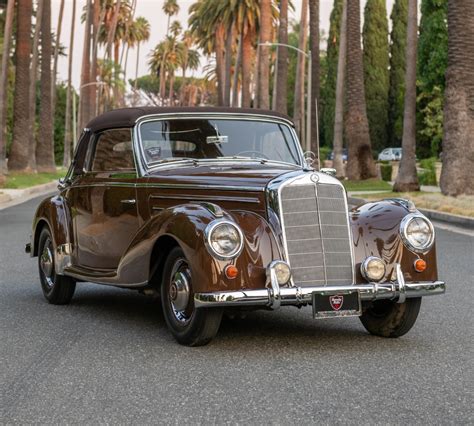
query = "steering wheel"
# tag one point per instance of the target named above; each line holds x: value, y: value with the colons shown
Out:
x: 251, y: 154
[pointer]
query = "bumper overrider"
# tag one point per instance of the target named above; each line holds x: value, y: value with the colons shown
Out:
x: 275, y: 295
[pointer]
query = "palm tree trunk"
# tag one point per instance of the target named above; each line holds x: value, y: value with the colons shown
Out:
x: 45, y: 147
x: 68, y: 142
x: 407, y: 178
x: 113, y: 28
x: 339, y: 107
x: 281, y: 74
x: 457, y: 175
x: 136, y: 67
x: 171, y: 92
x: 56, y: 53
x: 20, y: 152
x: 237, y: 66
x: 264, y: 60
x: 85, y: 112
x: 247, y: 49
x: 360, y: 164
x: 33, y: 80
x: 98, y: 13
x: 7, y: 35
x: 228, y: 63
x: 314, y: 47
x: 220, y: 65
x: 298, y: 114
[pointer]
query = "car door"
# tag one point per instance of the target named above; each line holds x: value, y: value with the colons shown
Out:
x: 105, y: 210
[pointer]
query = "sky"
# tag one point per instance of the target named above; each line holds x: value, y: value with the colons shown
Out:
x: 150, y: 9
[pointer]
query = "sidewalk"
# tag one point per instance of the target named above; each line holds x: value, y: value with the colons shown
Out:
x: 13, y: 197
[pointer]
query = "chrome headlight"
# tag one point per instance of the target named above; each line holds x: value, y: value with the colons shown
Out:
x: 224, y: 239
x: 417, y: 232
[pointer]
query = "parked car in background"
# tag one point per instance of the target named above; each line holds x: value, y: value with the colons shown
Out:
x: 344, y: 155
x: 391, y: 154
x: 215, y: 210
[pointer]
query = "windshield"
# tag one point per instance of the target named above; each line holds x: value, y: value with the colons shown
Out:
x: 200, y: 138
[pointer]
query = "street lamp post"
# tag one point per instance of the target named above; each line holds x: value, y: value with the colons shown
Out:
x: 310, y: 69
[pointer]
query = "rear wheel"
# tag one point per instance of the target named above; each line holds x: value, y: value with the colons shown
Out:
x: 57, y: 289
x: 387, y: 318
x: 189, y: 326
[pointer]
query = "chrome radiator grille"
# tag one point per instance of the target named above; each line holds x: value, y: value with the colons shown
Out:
x: 314, y: 219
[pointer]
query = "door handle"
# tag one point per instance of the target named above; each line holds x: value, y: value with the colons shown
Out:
x: 132, y: 201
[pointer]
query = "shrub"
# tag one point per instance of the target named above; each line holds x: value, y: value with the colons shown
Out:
x: 324, y: 153
x: 386, y: 171
x: 427, y: 175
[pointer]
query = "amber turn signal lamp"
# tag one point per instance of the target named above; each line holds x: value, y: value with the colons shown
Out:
x: 420, y: 265
x: 231, y: 272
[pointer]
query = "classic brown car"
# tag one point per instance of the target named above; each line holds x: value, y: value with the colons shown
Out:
x: 217, y: 210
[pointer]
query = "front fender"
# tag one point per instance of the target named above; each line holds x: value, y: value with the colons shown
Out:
x: 375, y: 232
x: 186, y: 225
x: 54, y: 212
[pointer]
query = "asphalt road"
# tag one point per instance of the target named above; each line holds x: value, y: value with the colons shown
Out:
x: 108, y: 358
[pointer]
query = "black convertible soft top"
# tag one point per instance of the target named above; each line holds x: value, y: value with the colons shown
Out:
x: 126, y: 117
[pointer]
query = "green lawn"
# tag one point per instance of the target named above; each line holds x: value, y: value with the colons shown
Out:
x: 367, y: 185
x: 22, y: 180
x: 462, y: 205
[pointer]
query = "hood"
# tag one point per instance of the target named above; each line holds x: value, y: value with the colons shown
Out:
x: 246, y: 176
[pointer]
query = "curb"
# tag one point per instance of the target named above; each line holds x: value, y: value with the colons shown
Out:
x: 452, y: 219
x: 13, y: 197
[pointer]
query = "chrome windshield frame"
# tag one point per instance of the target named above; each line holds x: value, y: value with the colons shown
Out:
x: 144, y: 169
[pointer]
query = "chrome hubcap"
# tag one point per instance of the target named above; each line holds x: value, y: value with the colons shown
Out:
x: 47, y: 263
x: 180, y: 290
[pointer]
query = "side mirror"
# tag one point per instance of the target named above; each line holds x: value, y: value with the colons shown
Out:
x: 329, y: 171
x: 63, y: 183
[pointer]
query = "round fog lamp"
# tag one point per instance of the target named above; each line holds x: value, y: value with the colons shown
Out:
x: 282, y: 272
x: 373, y: 268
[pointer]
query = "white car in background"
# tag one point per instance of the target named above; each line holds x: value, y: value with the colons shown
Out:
x: 391, y: 154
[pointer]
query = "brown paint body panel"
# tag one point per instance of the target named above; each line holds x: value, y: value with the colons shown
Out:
x: 375, y: 232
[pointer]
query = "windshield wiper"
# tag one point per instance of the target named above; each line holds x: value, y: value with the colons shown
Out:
x: 240, y: 157
x: 195, y: 161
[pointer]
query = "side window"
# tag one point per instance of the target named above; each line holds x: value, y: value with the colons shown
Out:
x: 113, y: 151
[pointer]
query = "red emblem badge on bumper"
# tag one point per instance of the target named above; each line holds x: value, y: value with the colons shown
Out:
x: 336, y: 302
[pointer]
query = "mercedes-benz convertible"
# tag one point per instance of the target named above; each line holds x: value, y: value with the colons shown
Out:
x: 218, y: 210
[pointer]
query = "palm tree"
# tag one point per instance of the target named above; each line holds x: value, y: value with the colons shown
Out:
x: 339, y: 107
x: 44, y: 148
x: 171, y: 8
x: 458, y: 148
x: 407, y: 178
x: 360, y: 164
x: 20, y: 152
x: 56, y: 51
x: 298, y: 114
x: 7, y: 35
x: 264, y: 54
x: 142, y: 33
x: 85, y: 112
x: 314, y: 47
x: 281, y: 74
x: 67, y: 132
x: 33, y: 80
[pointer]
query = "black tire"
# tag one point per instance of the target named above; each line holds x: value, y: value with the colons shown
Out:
x: 57, y: 289
x: 387, y: 318
x: 189, y: 326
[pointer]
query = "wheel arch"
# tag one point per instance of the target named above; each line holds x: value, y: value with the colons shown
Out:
x: 159, y: 253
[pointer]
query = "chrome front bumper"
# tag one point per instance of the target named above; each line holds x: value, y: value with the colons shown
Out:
x: 274, y: 295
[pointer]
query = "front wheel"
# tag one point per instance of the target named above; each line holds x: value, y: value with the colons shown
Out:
x: 387, y: 318
x: 57, y: 289
x: 189, y: 326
